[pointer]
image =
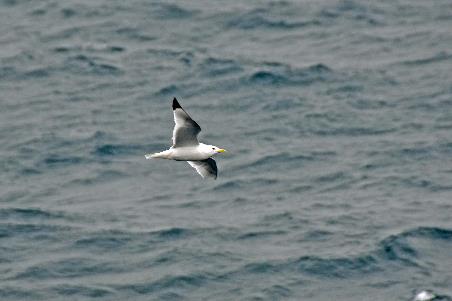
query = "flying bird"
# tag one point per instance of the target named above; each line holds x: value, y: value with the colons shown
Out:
x: 186, y: 146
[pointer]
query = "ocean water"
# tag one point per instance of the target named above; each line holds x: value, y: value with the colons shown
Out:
x: 337, y: 118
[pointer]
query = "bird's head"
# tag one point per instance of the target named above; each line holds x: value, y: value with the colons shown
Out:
x: 212, y: 149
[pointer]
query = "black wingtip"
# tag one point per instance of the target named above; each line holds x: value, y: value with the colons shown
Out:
x: 176, y: 104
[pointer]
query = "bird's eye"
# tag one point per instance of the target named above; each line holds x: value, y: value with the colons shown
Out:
x: 213, y: 148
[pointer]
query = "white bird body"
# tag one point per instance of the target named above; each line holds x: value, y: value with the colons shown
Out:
x: 186, y: 146
x: 200, y: 152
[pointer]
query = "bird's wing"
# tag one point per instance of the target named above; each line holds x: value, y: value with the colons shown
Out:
x: 185, y: 130
x: 206, y: 168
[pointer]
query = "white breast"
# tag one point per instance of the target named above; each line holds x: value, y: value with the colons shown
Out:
x: 188, y: 154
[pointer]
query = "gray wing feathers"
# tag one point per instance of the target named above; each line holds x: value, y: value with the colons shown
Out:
x: 206, y: 168
x: 186, y: 129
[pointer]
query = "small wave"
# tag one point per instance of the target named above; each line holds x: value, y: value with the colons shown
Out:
x: 352, y: 131
x: 403, y: 249
x: 30, y: 230
x: 169, y: 53
x: 277, y: 292
x: 317, y: 235
x: 89, y: 47
x: 26, y: 213
x: 260, y: 234
x: 63, y: 34
x: 218, y: 67
x: 37, y: 73
x: 244, y: 183
x: 11, y: 73
x: 391, y: 253
x: 133, y: 33
x: 283, y: 217
x: 81, y: 290
x: 413, y: 152
x: 190, y: 281
x: 7, y: 72
x: 82, y: 64
x: 352, y: 10
x: 67, y: 268
x: 286, y: 75
x: 395, y: 248
x: 58, y: 160
x: 18, y: 293
x: 428, y: 232
x: 228, y: 185
x: 300, y: 188
x: 318, y: 68
x: 68, y: 12
x: 277, y: 17
x: 168, y: 91
x: 316, y: 266
x: 281, y: 105
x: 337, y: 267
x: 417, y: 182
x: 116, y: 239
x: 282, y: 220
x: 171, y: 11
x: 439, y: 57
x: 349, y: 88
x: 102, y: 243
x: 260, y: 268
x: 332, y: 177
x: 411, y: 182
x: 251, y: 21
x: 267, y: 77
x: 370, y: 104
x: 173, y: 233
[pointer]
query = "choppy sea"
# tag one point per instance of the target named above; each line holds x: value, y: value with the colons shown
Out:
x: 337, y: 118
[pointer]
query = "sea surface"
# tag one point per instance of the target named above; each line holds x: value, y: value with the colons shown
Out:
x: 337, y: 118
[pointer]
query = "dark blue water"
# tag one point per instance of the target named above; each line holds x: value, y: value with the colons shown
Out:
x: 337, y: 118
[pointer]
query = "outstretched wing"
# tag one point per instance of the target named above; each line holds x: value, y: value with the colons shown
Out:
x: 186, y: 130
x: 206, y: 168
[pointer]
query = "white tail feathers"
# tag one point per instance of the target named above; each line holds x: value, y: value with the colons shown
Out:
x: 162, y: 155
x: 149, y: 156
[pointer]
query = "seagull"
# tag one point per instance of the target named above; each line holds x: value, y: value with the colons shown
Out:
x: 186, y: 146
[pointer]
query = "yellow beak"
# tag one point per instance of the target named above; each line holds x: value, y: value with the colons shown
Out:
x: 221, y: 150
